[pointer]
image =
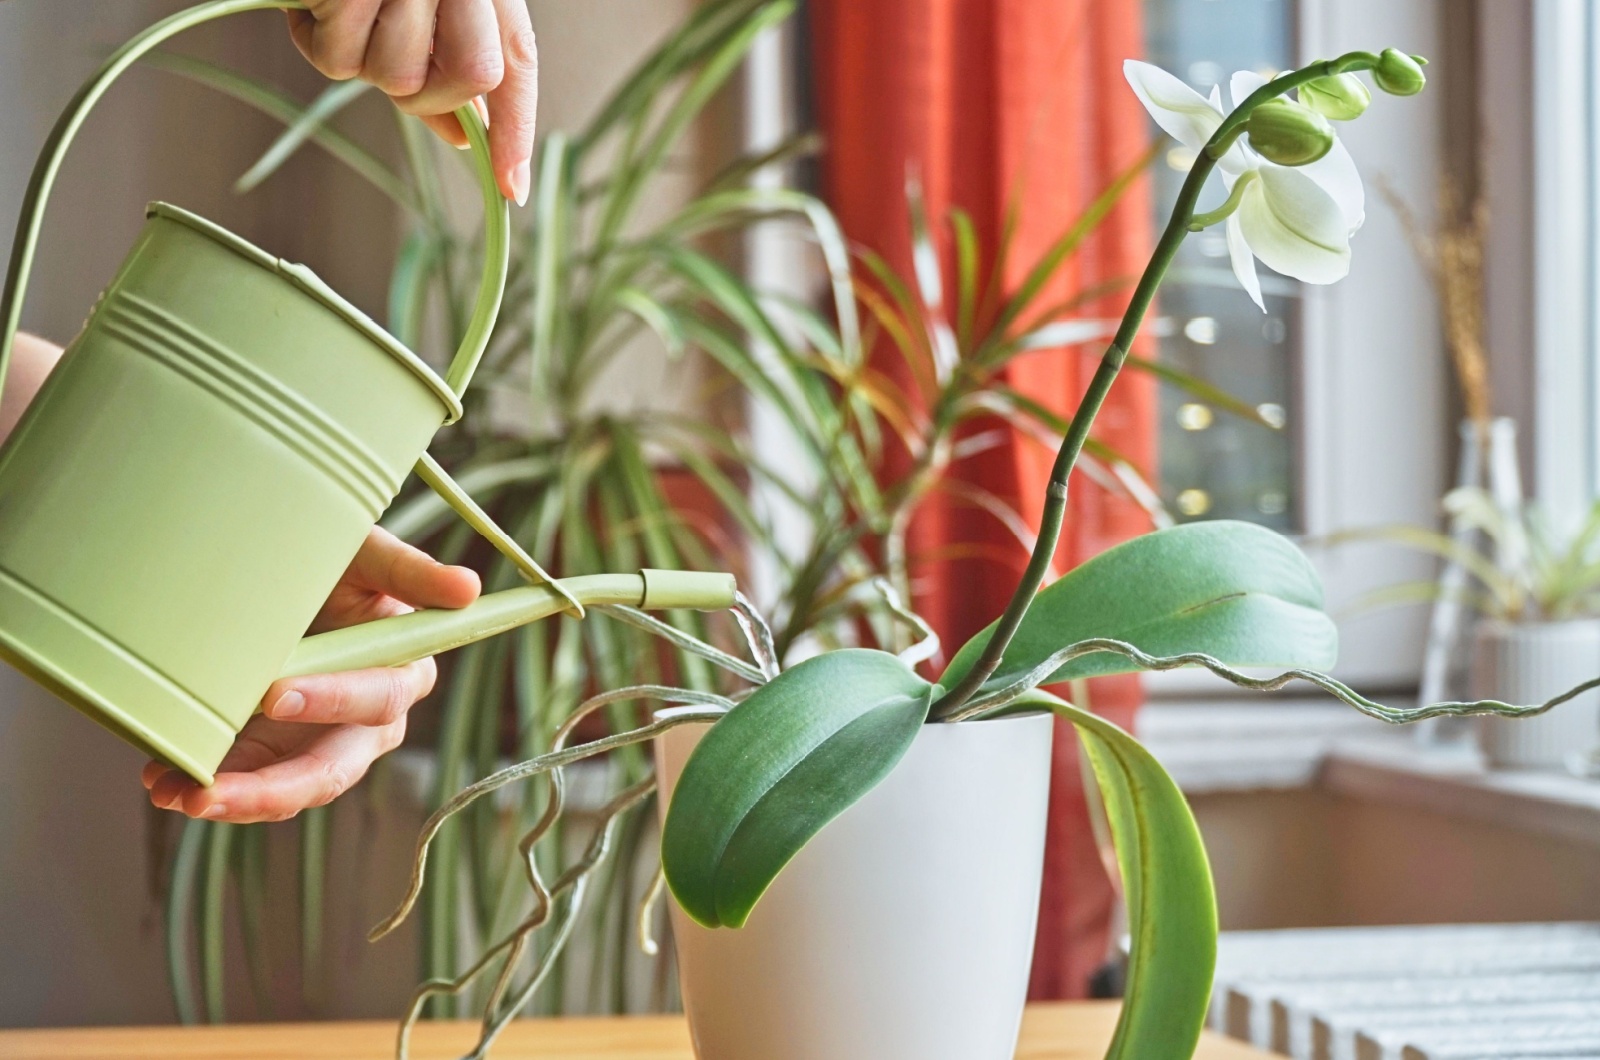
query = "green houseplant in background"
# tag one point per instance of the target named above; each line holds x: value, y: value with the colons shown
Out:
x: 1535, y: 592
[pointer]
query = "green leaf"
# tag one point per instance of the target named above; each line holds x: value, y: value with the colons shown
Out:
x: 1235, y: 591
x: 1172, y: 906
x: 333, y: 99
x: 781, y: 765
x: 287, y: 110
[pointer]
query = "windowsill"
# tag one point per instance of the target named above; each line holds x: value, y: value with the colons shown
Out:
x: 1238, y: 747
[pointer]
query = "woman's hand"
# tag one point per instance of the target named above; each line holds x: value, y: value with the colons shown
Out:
x: 317, y: 735
x: 433, y: 56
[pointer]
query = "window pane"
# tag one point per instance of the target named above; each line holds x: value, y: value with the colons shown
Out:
x: 1215, y: 465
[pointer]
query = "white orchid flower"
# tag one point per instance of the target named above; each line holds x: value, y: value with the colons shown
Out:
x: 1298, y: 220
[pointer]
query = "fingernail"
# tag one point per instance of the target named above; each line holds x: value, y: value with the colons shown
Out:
x: 520, y: 178
x: 289, y: 705
x: 216, y: 809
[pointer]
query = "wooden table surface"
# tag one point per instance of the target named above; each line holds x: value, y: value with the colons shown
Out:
x: 1050, y: 1032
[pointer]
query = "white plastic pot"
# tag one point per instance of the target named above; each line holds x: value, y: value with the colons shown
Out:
x: 1529, y: 662
x: 904, y: 930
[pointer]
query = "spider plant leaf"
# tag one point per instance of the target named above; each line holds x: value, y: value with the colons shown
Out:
x: 654, y: 515
x: 287, y: 110
x: 741, y: 169
x: 330, y: 102
x: 699, y: 35
x: 180, y: 918
x: 1171, y: 900
x: 424, y: 513
x: 551, y: 224
x: 778, y: 767
x: 313, y: 893
x: 661, y: 320
x: 250, y: 879
x: 409, y: 283
x: 213, y: 929
x: 743, y: 205
x: 635, y: 171
x: 1236, y: 591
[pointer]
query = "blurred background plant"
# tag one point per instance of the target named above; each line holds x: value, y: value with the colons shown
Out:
x: 590, y: 483
x: 1555, y: 576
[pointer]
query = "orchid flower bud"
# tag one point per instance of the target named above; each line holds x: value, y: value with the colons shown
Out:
x: 1342, y: 97
x: 1288, y: 133
x: 1399, y: 74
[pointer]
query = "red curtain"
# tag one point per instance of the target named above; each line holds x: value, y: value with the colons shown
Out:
x: 990, y: 103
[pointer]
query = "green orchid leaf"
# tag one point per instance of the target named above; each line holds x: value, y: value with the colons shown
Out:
x: 1172, y: 906
x: 1238, y: 592
x: 781, y: 765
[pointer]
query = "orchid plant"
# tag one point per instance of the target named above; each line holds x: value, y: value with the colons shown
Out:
x: 798, y: 746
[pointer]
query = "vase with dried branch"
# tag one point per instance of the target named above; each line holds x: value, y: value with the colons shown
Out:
x: 1521, y: 582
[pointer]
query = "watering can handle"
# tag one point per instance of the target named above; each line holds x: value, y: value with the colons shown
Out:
x: 497, y: 214
x: 497, y: 239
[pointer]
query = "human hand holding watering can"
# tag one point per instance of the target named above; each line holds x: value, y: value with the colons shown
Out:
x: 317, y: 735
x: 433, y: 56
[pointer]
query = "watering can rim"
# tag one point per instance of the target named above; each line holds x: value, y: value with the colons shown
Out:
x: 304, y: 278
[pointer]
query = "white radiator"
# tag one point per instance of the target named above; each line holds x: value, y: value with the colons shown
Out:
x: 1445, y: 992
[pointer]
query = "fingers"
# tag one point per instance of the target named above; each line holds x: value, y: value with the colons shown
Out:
x: 374, y: 697
x: 399, y: 51
x: 434, y: 56
x: 327, y: 768
x: 389, y: 566
x: 514, y: 103
x: 333, y: 34
x: 467, y: 61
x: 446, y: 127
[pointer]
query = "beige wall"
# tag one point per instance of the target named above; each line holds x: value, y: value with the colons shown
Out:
x: 1309, y: 859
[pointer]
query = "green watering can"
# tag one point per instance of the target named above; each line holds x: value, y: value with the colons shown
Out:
x: 204, y: 463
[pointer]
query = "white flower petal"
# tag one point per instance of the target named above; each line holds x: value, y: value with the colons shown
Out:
x: 1336, y: 174
x: 1294, y: 226
x: 1242, y: 84
x: 1181, y: 112
x: 1244, y: 264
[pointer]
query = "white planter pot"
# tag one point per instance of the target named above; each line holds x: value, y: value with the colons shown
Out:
x: 1529, y: 662
x: 904, y: 930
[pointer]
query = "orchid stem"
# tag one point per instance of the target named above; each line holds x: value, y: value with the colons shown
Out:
x: 1055, y: 505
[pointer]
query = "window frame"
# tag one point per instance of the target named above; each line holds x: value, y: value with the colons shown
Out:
x: 1376, y: 419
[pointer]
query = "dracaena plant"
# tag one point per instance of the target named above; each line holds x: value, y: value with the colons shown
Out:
x: 793, y: 748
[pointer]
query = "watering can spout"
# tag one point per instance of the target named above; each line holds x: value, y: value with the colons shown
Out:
x: 406, y: 638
